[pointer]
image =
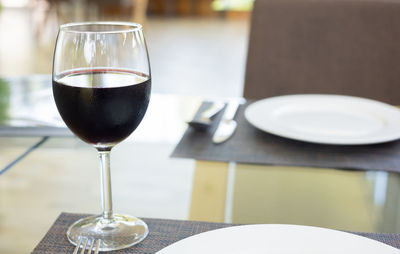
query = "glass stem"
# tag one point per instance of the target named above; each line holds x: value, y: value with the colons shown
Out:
x: 106, y: 196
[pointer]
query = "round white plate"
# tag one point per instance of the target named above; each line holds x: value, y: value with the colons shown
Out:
x: 326, y: 119
x: 277, y: 239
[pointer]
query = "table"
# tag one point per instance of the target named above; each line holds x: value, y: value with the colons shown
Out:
x: 62, y: 175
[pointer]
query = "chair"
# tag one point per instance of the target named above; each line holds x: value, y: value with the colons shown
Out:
x: 349, y: 47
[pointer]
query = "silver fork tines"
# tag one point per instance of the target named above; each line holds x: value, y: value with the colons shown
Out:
x: 84, y: 241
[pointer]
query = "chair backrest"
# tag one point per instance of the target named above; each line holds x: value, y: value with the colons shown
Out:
x: 349, y: 47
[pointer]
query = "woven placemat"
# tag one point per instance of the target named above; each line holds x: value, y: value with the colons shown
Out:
x: 162, y: 233
x: 250, y: 145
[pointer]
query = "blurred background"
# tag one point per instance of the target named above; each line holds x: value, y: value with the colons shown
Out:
x: 196, y: 47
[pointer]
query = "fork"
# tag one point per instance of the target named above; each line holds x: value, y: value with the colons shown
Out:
x: 90, y: 248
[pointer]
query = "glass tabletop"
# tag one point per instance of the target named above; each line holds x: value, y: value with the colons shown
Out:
x: 62, y: 175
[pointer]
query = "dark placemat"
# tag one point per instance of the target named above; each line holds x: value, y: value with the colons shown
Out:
x: 250, y: 145
x: 162, y: 234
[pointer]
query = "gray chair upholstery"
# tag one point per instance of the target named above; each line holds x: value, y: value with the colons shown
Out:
x: 349, y: 47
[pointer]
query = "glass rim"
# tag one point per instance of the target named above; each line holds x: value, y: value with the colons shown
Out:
x: 131, y: 27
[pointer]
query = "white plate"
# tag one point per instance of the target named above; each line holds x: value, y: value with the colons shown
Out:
x: 326, y: 119
x: 277, y: 239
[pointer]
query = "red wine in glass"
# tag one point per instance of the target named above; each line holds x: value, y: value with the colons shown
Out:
x: 102, y: 106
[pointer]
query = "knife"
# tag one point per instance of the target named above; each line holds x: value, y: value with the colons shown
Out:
x: 227, y: 125
x: 204, y: 121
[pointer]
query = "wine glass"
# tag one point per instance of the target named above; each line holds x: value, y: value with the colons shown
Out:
x: 101, y: 86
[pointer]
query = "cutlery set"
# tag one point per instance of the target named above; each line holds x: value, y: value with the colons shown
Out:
x: 227, y: 125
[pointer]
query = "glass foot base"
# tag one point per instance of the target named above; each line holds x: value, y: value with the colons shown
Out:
x: 121, y: 232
